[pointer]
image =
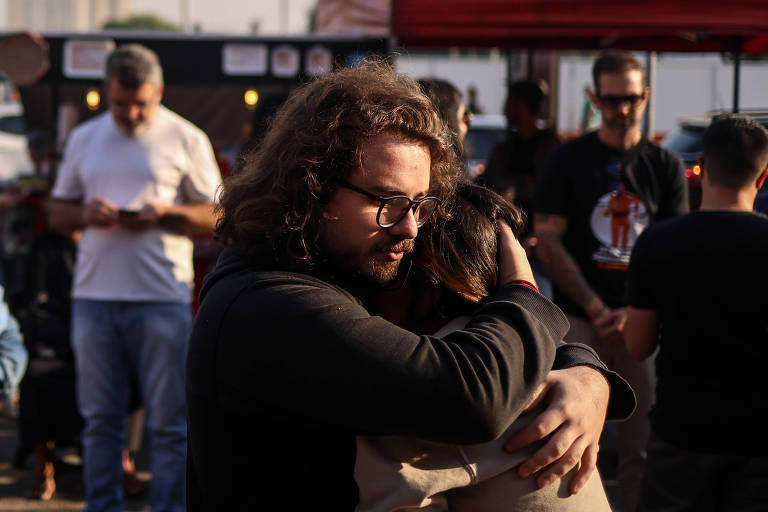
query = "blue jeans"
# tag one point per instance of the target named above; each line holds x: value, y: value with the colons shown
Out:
x: 113, y: 341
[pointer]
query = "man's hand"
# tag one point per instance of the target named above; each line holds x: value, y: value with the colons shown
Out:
x: 144, y: 219
x: 577, y: 401
x: 610, y: 324
x: 100, y: 212
x: 514, y: 264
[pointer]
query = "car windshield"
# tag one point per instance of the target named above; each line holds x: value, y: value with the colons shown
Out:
x: 683, y: 140
x: 14, y: 124
x: 479, y: 143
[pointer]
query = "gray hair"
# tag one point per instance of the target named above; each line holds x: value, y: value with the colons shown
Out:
x: 134, y: 65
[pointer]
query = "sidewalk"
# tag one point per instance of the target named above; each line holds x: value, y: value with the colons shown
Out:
x: 15, y: 483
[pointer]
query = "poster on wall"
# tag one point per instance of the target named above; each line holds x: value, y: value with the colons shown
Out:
x: 86, y: 58
x: 244, y: 59
x: 285, y: 61
x: 319, y: 60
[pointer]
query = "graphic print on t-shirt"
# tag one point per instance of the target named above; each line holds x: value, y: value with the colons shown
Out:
x: 617, y: 220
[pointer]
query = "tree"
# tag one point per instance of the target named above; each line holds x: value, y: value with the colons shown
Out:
x: 142, y: 22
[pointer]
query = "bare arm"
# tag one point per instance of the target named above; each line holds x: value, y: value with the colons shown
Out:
x: 642, y: 332
x: 67, y: 216
x: 181, y: 218
x: 191, y: 218
x: 561, y: 266
x: 567, y: 276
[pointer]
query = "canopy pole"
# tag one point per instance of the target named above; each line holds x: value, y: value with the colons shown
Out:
x: 736, y: 75
x: 649, y: 122
x: 529, y: 70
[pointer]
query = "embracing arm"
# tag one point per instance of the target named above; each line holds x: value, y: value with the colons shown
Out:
x: 580, y: 393
x: 321, y: 355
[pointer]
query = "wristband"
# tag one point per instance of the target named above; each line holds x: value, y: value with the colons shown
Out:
x: 525, y: 283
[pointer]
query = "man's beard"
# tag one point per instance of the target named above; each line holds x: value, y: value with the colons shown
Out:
x: 371, y: 267
x: 622, y: 124
x: 134, y: 130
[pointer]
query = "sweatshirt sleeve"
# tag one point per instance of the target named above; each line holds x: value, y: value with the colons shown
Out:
x: 308, y: 348
x: 622, y: 400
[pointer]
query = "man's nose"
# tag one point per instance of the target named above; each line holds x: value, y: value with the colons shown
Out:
x: 406, y: 228
x: 133, y: 112
x: 625, y: 107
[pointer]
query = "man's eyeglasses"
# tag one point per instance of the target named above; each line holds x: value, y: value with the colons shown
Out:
x: 392, y: 209
x: 612, y: 101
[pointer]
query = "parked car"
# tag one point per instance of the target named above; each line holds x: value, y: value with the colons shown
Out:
x: 685, y: 142
x: 485, y: 131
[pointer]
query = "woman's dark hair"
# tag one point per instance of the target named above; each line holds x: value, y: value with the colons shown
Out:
x: 445, y: 97
x: 273, y: 204
x: 462, y: 252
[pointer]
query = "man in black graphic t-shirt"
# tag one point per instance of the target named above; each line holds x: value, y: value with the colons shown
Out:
x: 593, y: 198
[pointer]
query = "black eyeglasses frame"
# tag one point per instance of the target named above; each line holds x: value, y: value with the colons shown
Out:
x: 384, y: 200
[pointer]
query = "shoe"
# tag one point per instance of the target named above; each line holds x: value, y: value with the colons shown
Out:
x: 45, y: 483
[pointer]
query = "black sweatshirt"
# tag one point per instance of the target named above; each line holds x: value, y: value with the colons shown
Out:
x: 284, y: 369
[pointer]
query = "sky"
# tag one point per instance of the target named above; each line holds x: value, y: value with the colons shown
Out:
x: 275, y: 17
x: 235, y: 16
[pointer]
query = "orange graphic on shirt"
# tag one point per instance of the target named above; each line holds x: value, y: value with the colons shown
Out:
x: 620, y: 205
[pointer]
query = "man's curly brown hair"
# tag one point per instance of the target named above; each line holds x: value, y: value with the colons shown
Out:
x: 272, y: 206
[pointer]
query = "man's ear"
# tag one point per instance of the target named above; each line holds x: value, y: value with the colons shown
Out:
x: 592, y: 95
x: 761, y: 178
x: 646, y: 96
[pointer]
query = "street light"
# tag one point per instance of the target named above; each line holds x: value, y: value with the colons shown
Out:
x: 93, y: 99
x: 251, y: 98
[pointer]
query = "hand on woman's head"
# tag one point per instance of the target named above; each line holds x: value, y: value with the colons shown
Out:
x: 513, y: 261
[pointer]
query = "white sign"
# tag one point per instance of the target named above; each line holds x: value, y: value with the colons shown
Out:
x: 285, y: 61
x: 319, y: 61
x: 86, y: 58
x: 244, y: 59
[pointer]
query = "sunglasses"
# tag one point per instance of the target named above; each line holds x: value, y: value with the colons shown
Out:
x: 612, y: 101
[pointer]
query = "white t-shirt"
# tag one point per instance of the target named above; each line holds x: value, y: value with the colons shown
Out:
x: 171, y: 162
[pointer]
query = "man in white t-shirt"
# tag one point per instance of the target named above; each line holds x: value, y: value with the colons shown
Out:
x: 138, y: 180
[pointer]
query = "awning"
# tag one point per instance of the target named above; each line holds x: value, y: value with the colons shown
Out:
x: 651, y: 25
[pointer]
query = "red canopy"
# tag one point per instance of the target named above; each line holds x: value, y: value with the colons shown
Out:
x: 660, y: 25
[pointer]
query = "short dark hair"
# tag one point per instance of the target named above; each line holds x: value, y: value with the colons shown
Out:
x: 614, y: 62
x: 462, y: 252
x: 134, y: 65
x: 272, y: 205
x: 446, y: 98
x: 529, y: 93
x: 734, y: 150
